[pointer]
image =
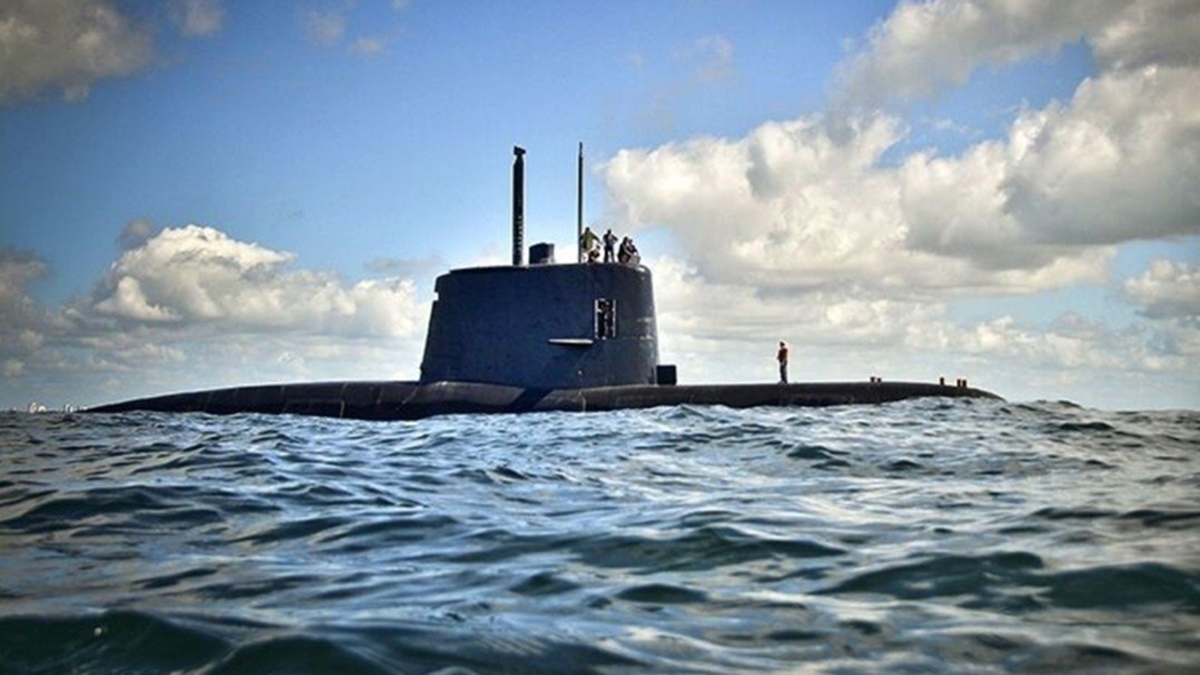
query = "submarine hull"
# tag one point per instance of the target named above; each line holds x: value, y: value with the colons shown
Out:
x: 400, y: 400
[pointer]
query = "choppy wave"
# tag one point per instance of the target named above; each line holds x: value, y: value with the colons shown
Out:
x: 948, y: 535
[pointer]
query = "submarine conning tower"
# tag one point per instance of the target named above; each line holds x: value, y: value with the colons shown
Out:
x: 545, y: 325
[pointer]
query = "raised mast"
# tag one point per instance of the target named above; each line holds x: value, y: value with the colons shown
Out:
x: 579, y: 208
x: 518, y: 206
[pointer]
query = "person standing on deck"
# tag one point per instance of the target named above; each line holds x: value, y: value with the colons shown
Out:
x: 782, y: 358
x: 610, y: 240
x: 588, y: 243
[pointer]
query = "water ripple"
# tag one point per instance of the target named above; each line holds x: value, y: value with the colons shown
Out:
x: 960, y: 535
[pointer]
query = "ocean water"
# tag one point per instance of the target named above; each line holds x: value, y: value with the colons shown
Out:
x: 930, y: 535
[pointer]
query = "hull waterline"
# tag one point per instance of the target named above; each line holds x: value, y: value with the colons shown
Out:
x: 398, y: 400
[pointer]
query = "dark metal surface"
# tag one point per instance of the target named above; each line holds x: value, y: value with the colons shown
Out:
x: 411, y: 400
x: 538, y: 327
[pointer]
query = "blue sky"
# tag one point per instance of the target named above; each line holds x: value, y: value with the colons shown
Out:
x: 200, y: 193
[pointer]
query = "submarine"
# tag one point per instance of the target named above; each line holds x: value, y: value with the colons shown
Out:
x: 537, y: 336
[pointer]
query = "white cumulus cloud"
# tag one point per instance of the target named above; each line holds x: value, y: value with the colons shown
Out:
x: 22, y: 322
x: 195, y: 275
x: 67, y: 45
x: 793, y: 205
x: 1148, y: 32
x: 924, y: 47
x: 1168, y: 289
x: 1119, y: 162
x: 197, y: 18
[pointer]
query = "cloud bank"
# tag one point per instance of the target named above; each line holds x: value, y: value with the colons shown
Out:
x: 193, y: 305
x: 818, y: 228
x: 924, y: 47
x: 199, y: 275
x: 1167, y: 290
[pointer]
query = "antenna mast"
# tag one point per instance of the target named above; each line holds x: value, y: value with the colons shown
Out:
x: 518, y: 204
x: 579, y: 208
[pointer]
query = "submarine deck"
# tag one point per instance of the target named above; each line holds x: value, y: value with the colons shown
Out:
x: 401, y: 400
